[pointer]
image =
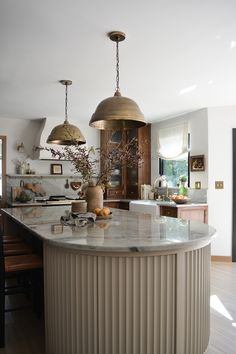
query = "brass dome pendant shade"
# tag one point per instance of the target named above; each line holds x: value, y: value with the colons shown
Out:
x: 66, y: 133
x: 117, y: 112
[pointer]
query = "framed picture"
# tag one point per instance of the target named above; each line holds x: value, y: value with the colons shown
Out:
x: 56, y: 169
x: 197, y: 163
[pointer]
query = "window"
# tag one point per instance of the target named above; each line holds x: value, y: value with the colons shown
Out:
x: 172, y: 169
x: 173, y: 143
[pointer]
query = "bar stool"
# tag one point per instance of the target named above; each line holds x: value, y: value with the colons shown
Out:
x: 29, y: 265
x: 11, y: 239
x: 14, y: 249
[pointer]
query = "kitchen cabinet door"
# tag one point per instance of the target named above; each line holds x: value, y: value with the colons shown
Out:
x: 126, y: 182
x: 196, y: 213
x: 168, y: 211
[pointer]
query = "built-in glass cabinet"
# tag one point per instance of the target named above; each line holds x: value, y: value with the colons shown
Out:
x: 126, y: 182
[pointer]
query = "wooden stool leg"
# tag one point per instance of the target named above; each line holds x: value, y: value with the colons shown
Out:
x: 37, y: 288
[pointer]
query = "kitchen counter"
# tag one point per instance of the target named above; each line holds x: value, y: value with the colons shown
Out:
x: 134, y: 282
x: 126, y: 231
x: 59, y: 202
x: 166, y: 203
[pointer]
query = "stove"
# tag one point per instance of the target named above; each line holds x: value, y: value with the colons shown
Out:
x: 56, y: 199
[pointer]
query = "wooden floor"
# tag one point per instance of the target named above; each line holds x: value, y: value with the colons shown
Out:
x: 223, y: 320
x: 25, y: 335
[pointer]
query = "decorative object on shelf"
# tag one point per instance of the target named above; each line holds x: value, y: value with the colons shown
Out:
x: 75, y: 185
x: 66, y: 133
x: 117, y: 112
x: 183, y: 190
x: 20, y: 167
x: 197, y: 163
x: 67, y: 186
x: 20, y: 148
x: 56, y: 169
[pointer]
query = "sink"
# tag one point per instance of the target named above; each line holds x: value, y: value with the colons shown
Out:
x: 165, y: 202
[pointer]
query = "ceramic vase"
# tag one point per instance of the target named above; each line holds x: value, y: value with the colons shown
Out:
x: 94, y: 197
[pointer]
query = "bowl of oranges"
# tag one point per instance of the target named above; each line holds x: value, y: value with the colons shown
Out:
x: 103, y: 213
x: 180, y: 199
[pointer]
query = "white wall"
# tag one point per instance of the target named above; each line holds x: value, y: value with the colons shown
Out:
x: 221, y: 121
x: 198, y: 128
x: 199, y: 143
x: 22, y: 130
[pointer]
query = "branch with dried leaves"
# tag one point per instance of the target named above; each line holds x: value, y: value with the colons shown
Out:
x: 85, y: 161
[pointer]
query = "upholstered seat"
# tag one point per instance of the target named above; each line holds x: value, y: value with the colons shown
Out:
x: 23, y: 263
x: 13, y: 249
x: 11, y: 239
x: 28, y: 265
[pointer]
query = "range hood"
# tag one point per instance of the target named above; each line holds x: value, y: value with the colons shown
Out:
x: 46, y: 126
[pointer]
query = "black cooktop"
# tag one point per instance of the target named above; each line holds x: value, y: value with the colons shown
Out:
x: 56, y: 198
x: 62, y: 197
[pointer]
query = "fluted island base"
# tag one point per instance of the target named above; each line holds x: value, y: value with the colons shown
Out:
x: 126, y: 303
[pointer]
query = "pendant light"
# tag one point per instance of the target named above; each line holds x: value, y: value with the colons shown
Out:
x: 66, y: 133
x: 117, y: 112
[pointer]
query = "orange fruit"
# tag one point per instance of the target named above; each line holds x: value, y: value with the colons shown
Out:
x: 106, y: 211
x: 97, y: 211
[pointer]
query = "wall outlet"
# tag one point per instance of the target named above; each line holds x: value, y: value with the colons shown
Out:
x: 219, y: 184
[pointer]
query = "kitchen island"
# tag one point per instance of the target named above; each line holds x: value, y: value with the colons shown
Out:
x: 132, y: 284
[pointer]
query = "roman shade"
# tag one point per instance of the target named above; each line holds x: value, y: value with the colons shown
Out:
x: 172, y: 141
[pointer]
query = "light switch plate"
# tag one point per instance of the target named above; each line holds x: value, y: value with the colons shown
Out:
x: 197, y: 185
x: 219, y: 184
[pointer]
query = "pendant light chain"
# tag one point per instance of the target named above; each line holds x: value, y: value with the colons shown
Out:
x: 117, y: 67
x: 66, y: 116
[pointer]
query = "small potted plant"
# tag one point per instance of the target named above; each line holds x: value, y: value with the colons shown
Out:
x: 183, y: 190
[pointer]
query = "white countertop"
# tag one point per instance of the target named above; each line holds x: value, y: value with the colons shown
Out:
x: 126, y: 231
x: 166, y: 203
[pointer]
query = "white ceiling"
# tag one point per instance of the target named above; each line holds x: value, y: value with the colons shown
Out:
x: 170, y: 46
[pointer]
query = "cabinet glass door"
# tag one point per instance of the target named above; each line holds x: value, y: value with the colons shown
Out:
x: 116, y: 137
x: 132, y: 172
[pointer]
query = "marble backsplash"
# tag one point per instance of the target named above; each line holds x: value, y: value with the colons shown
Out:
x: 57, y: 185
x: 46, y: 185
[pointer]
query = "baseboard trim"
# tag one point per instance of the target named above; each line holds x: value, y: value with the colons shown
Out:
x: 221, y: 258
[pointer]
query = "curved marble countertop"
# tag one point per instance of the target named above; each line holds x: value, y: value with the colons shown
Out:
x: 126, y: 231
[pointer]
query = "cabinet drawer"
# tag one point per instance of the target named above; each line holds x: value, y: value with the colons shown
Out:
x: 111, y: 204
x: 168, y: 211
x: 124, y: 205
x: 132, y: 192
x: 114, y: 193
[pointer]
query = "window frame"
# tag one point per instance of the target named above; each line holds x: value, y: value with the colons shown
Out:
x: 161, y: 168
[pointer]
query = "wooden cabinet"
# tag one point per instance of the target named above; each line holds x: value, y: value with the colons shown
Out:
x: 168, y: 211
x: 119, y: 204
x: 126, y: 182
x: 197, y: 213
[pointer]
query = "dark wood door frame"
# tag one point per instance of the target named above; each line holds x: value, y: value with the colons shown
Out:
x: 4, y: 177
x: 234, y: 199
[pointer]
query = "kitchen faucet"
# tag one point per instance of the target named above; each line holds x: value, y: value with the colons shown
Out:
x: 164, y: 196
